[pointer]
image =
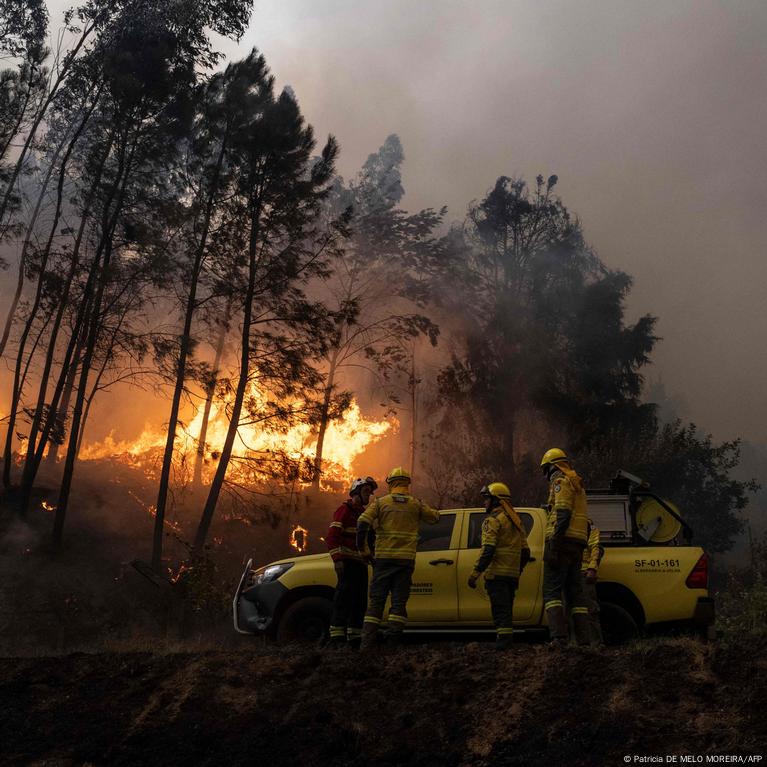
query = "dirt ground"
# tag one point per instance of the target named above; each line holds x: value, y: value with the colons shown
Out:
x: 423, y: 704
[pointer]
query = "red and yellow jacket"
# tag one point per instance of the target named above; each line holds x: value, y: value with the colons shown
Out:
x: 342, y: 535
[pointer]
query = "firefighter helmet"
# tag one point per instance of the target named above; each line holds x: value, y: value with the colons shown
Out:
x: 398, y: 476
x: 358, y: 484
x: 552, y: 456
x: 496, y: 490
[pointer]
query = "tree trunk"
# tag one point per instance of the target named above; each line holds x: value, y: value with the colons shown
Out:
x: 178, y: 389
x: 242, y: 385
x: 62, y: 410
x: 108, y: 227
x: 76, y: 341
x: 210, y: 391
x: 38, y: 119
x: 13, y: 132
x: 35, y: 451
x: 16, y: 389
x: 324, y: 420
x: 25, y: 247
x: 413, y: 413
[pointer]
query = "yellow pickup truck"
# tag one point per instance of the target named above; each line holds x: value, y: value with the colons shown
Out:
x: 649, y: 579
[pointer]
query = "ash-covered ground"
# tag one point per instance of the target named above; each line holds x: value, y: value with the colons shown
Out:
x: 425, y: 704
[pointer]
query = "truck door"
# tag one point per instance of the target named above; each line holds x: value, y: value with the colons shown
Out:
x: 433, y: 597
x: 474, y: 604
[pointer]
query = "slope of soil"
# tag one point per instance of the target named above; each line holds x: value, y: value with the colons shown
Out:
x: 424, y: 704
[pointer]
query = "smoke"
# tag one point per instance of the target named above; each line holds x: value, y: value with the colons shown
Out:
x: 652, y: 114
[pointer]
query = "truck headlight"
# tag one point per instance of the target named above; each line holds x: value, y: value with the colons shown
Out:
x: 270, y: 573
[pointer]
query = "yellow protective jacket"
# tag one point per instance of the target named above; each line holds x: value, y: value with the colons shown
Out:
x: 567, y: 501
x: 396, y: 518
x: 592, y: 554
x: 508, y: 540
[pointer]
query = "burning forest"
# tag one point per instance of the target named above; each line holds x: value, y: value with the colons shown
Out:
x: 209, y: 333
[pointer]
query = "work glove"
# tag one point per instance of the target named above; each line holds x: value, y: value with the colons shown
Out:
x: 473, y: 580
x: 339, y: 566
x: 591, y: 575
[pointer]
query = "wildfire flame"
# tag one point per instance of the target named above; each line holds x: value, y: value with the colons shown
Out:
x: 175, y: 577
x: 48, y: 507
x: 345, y: 439
x: 299, y: 539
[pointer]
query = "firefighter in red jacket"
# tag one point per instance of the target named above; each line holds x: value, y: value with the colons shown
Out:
x: 350, y: 599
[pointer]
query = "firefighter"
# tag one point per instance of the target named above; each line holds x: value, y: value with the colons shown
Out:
x: 396, y: 518
x: 350, y: 597
x: 592, y: 557
x: 504, y: 555
x: 566, y: 538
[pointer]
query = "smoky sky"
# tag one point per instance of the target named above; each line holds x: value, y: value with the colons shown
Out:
x: 652, y: 114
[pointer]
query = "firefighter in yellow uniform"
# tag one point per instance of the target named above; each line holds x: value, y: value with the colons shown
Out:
x: 505, y: 553
x: 592, y: 557
x: 396, y: 518
x: 566, y: 538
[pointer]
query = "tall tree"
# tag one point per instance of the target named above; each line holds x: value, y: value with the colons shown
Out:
x: 548, y: 338
x: 150, y: 70
x: 375, y: 316
x: 278, y: 200
x: 222, y: 116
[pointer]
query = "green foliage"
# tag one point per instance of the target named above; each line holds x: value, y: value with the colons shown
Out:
x: 742, y: 602
x: 549, y: 341
x: 742, y: 611
x: 550, y: 359
x: 680, y: 464
x: 23, y: 26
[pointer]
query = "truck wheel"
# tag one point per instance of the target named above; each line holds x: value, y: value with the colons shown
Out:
x: 617, y: 624
x: 305, y: 621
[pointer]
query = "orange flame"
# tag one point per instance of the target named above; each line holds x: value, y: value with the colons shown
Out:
x: 175, y: 577
x: 48, y: 507
x: 299, y: 539
x: 345, y: 439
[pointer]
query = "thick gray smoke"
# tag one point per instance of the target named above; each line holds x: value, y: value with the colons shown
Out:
x: 652, y: 114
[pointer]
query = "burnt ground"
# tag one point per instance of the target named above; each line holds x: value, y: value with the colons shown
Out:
x: 423, y: 704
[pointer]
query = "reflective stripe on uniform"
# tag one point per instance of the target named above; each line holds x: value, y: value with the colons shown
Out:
x: 552, y: 603
x: 396, y: 519
x: 579, y: 611
x: 397, y: 618
x: 372, y: 619
x: 337, y: 631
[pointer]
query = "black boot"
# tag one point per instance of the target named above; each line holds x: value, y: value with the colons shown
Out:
x: 369, y: 636
x: 503, y: 643
x: 557, y: 625
x: 582, y: 628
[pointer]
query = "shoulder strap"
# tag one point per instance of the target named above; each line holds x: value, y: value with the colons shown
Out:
x: 512, y: 516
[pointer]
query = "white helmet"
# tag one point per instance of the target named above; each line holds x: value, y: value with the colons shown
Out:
x: 358, y: 484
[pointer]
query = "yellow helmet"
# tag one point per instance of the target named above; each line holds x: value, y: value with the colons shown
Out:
x: 496, y: 490
x: 398, y: 476
x: 554, y: 455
